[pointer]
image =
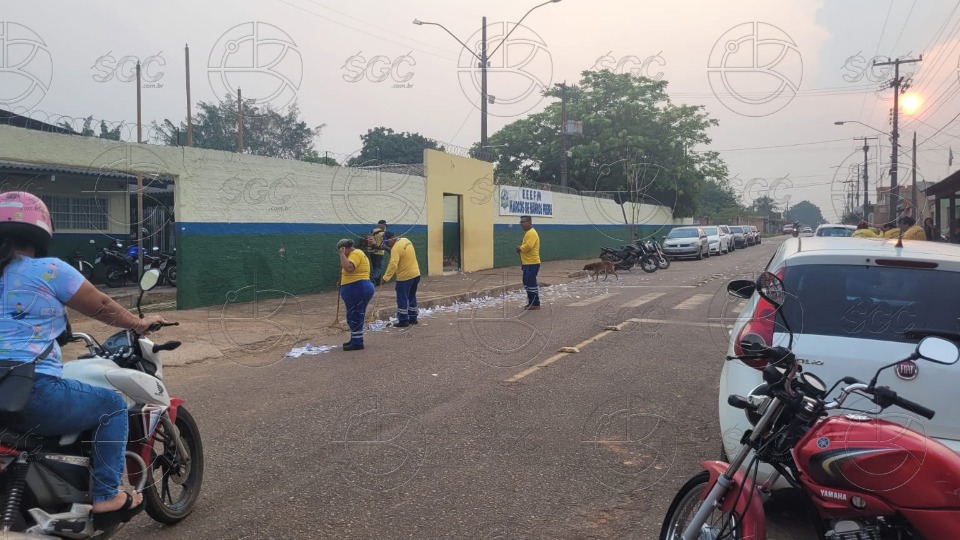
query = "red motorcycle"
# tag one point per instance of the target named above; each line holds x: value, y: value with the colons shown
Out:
x: 861, y: 477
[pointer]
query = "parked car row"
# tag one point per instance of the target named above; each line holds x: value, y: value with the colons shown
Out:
x: 701, y: 241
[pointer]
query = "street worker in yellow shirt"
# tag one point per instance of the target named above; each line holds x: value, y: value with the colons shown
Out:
x: 403, y: 261
x: 529, y: 251
x: 356, y: 289
x: 864, y: 231
x: 911, y: 231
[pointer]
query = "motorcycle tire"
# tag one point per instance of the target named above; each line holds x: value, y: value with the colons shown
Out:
x: 648, y: 264
x: 171, y: 275
x: 663, y: 263
x: 157, y: 491
x: 685, y: 505
x: 114, y: 276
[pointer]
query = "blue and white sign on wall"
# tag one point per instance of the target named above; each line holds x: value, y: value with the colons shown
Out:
x: 516, y: 201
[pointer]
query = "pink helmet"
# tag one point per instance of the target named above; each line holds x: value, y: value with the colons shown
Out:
x: 25, y: 219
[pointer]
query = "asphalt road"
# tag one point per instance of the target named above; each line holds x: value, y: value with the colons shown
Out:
x: 449, y: 430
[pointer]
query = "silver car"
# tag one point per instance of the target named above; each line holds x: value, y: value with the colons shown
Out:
x: 686, y: 242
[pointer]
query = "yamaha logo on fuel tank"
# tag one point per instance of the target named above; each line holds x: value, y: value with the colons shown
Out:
x: 907, y: 370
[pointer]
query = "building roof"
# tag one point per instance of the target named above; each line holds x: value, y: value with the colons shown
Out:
x: 13, y: 119
x: 45, y: 168
x: 947, y: 186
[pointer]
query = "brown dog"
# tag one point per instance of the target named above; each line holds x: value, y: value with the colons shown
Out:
x: 603, y: 266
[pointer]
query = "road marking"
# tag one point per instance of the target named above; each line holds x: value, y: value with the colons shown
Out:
x: 593, y: 300
x: 643, y: 300
x: 578, y: 346
x: 680, y: 323
x: 693, y: 301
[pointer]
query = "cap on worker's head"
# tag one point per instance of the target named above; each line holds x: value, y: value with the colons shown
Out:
x: 346, y: 242
x: 382, y: 222
x: 388, y: 235
x: 907, y: 220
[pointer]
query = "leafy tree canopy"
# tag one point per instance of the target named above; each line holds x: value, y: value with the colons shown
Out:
x: 266, y: 132
x: 634, y: 140
x: 384, y: 145
x: 806, y: 213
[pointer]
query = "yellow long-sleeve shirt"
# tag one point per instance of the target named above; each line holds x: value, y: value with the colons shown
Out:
x: 865, y: 233
x: 361, y: 270
x: 377, y: 240
x: 403, y: 261
x: 530, y: 247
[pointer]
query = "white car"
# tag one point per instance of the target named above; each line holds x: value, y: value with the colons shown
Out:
x: 718, y: 242
x: 726, y: 236
x: 835, y: 230
x: 856, y: 306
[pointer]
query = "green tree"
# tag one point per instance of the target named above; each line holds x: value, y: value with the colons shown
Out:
x: 763, y: 205
x: 719, y: 202
x: 634, y: 140
x: 87, y: 130
x: 806, y: 213
x: 313, y: 157
x: 266, y: 132
x: 384, y: 145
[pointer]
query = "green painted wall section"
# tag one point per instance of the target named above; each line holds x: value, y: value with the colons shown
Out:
x: 451, y: 240
x: 574, y: 242
x: 211, y: 267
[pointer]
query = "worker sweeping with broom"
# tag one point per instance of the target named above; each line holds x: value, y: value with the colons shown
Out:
x: 403, y: 262
x: 356, y: 289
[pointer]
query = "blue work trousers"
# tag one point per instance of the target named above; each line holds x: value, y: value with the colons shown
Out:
x: 356, y: 296
x: 530, y: 272
x: 407, y: 300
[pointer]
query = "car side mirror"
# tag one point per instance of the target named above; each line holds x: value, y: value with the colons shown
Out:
x: 771, y: 289
x: 741, y: 288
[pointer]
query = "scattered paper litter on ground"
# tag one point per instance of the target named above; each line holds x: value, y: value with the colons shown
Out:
x: 297, y: 352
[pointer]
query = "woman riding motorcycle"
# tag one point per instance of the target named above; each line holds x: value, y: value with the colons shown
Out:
x: 34, y: 289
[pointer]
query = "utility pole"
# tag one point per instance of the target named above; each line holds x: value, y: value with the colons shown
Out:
x: 563, y: 134
x: 483, y: 86
x: 239, y: 122
x: 913, y: 197
x: 894, y: 188
x: 866, y: 174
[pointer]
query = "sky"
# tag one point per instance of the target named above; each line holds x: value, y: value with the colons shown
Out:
x: 352, y: 66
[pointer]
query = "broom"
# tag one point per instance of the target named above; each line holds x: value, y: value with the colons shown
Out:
x: 336, y: 319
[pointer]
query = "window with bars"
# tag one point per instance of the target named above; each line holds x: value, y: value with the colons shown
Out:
x: 70, y: 212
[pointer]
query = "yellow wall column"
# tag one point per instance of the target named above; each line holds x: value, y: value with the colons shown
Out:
x: 472, y: 179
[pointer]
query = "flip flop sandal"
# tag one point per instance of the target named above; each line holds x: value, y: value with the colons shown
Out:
x: 104, y: 520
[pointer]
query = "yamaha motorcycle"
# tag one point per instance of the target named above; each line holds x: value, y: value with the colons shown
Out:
x: 122, y: 265
x: 626, y: 257
x: 861, y: 477
x: 46, y: 482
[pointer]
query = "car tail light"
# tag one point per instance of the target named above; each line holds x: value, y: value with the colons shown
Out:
x: 759, y: 329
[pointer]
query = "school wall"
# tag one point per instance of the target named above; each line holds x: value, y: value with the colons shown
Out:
x: 579, y: 227
x: 247, y: 225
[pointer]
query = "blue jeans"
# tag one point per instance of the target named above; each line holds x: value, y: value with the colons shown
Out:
x: 376, y: 270
x: 64, y: 406
x: 530, y: 272
x: 407, y: 300
x: 356, y: 296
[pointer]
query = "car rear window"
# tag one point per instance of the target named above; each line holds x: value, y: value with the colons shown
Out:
x: 737, y: 229
x: 835, y: 231
x: 870, y: 302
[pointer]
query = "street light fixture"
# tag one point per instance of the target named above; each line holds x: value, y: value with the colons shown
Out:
x: 842, y: 122
x: 483, y: 58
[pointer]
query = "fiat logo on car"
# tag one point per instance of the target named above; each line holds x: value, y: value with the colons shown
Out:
x: 907, y: 370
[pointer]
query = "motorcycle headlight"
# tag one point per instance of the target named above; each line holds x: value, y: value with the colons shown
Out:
x: 758, y: 396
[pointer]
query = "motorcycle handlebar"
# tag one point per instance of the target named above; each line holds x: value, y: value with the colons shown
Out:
x: 156, y: 326
x: 885, y: 396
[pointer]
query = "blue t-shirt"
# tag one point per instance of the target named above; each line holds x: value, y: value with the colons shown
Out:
x: 32, y: 297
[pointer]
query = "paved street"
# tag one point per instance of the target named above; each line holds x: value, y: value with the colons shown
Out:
x: 471, y: 425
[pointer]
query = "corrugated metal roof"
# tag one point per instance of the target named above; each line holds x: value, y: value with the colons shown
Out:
x: 59, y: 169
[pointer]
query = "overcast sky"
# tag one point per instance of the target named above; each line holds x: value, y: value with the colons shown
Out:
x: 317, y: 50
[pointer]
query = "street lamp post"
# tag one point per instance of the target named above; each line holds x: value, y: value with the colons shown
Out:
x: 483, y: 59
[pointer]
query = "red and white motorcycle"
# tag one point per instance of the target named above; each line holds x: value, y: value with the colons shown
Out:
x: 45, y: 482
x: 862, y: 477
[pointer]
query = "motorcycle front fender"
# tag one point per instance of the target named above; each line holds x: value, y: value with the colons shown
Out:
x: 753, y: 525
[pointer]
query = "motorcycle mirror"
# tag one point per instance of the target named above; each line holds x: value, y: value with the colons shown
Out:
x: 771, y: 289
x: 741, y: 288
x: 938, y: 350
x: 150, y: 279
